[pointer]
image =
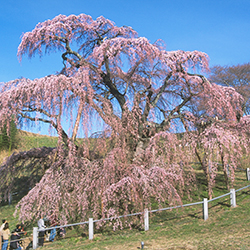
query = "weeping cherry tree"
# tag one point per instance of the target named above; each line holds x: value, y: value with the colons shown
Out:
x: 139, y: 93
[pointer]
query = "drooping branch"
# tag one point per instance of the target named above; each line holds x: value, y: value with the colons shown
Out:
x: 130, y: 74
x: 148, y: 105
x: 33, y: 153
x: 51, y: 122
x: 69, y: 51
x: 40, y: 110
x: 106, y: 112
x: 183, y: 121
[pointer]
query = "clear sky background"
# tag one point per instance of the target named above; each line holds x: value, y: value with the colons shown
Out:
x: 221, y: 28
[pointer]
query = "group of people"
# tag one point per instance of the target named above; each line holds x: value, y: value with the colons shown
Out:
x: 15, y: 236
x: 13, y: 239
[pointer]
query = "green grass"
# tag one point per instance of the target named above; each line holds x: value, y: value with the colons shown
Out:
x: 183, y: 228
x: 29, y: 140
x: 26, y: 141
x: 225, y: 229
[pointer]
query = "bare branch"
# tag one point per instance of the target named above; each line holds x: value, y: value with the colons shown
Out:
x: 163, y: 87
x: 64, y: 135
x: 40, y: 110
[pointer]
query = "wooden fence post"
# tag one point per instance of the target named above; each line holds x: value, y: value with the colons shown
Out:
x: 91, y: 229
x: 35, y: 238
x: 248, y: 174
x: 232, y: 198
x: 205, y: 209
x: 146, y: 220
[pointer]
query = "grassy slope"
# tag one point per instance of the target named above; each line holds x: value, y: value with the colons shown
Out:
x: 26, y: 141
x: 29, y: 140
x: 226, y: 228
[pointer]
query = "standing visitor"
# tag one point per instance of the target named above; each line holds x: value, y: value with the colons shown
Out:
x: 3, y: 224
x: 6, y: 235
x: 14, y: 241
x: 41, y: 226
x: 53, y: 231
x: 1, y: 229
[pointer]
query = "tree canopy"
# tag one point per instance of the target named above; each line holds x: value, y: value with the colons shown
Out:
x: 139, y: 91
x: 236, y: 76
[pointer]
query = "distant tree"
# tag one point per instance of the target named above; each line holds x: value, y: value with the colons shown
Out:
x: 218, y: 140
x: 8, y: 135
x: 220, y: 145
x: 236, y: 76
x: 139, y: 91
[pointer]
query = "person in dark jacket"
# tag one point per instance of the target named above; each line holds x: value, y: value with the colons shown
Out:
x: 14, y: 241
x: 20, y: 230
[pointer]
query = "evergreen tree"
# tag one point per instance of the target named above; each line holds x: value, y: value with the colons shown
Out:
x: 8, y: 135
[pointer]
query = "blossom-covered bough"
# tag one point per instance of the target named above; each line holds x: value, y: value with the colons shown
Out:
x: 140, y: 93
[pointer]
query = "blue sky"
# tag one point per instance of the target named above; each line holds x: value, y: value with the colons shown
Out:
x: 221, y: 28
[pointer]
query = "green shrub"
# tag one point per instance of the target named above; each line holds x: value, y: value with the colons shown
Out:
x: 8, y: 136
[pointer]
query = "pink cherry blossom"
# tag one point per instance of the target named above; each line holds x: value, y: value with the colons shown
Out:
x: 141, y: 93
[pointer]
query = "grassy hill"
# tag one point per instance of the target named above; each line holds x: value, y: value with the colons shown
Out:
x: 26, y: 141
x: 184, y: 228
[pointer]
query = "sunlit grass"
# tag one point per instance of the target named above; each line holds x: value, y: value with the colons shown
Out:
x: 183, y: 228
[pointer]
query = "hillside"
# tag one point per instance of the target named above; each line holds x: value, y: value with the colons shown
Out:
x: 226, y: 228
x: 26, y: 141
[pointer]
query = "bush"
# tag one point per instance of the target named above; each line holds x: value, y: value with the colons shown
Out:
x: 8, y: 135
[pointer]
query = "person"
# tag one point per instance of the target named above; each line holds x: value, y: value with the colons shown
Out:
x: 47, y: 224
x: 14, y: 240
x: 17, y: 234
x: 6, y: 235
x: 1, y: 228
x: 20, y: 230
x: 62, y: 232
x: 3, y: 224
x: 41, y: 226
x: 52, y: 231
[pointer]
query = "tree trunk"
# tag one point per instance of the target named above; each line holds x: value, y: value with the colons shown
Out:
x: 225, y: 173
x: 140, y: 149
x: 209, y: 185
x: 205, y: 167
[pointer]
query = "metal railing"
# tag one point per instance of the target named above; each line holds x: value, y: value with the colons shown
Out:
x: 24, y: 242
x: 145, y: 213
